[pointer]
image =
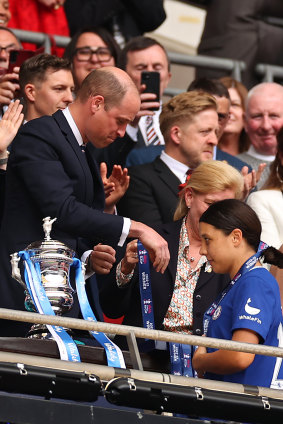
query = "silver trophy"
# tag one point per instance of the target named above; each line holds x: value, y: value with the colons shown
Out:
x: 51, y: 260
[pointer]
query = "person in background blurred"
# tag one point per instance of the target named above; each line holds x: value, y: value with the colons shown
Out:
x: 234, y: 139
x: 263, y: 120
x: 124, y: 19
x: 46, y: 16
x: 268, y: 202
x: 5, y: 13
x: 89, y: 49
x: 9, y: 81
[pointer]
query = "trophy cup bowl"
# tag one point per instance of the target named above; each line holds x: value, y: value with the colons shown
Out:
x: 52, y: 259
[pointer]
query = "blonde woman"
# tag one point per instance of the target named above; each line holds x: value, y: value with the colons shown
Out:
x: 185, y: 290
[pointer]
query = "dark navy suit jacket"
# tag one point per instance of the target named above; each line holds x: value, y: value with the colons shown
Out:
x: 49, y: 175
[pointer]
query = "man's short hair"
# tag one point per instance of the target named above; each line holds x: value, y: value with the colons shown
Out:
x: 213, y: 87
x: 137, y: 44
x: 34, y: 69
x: 182, y: 109
x: 103, y: 82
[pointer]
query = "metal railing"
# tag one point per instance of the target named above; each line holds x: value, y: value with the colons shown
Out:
x: 233, y: 67
x: 107, y: 373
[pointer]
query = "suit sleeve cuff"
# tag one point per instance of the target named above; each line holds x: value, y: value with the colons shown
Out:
x: 125, y: 231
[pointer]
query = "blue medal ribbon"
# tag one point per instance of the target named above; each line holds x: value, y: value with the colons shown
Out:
x: 146, y: 298
x: 246, y: 267
x: 67, y: 347
x: 113, y: 352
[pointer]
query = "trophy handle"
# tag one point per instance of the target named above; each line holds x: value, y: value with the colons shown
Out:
x: 16, y: 274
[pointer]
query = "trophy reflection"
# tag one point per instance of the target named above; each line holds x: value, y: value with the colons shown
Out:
x: 47, y: 266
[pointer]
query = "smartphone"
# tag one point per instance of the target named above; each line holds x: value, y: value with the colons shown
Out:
x: 17, y: 57
x: 152, y: 82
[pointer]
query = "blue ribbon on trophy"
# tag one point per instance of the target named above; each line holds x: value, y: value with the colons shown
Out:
x: 114, y: 355
x: 67, y: 347
x: 46, y: 275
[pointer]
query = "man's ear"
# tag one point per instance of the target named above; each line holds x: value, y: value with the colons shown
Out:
x: 30, y: 92
x: 175, y: 134
x: 97, y: 102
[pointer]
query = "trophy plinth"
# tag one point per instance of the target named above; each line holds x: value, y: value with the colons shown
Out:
x: 51, y: 261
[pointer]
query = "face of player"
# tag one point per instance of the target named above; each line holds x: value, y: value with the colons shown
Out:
x: 151, y: 59
x: 198, y: 203
x: 218, y: 248
x: 84, y: 62
x: 198, y: 138
x: 54, y: 93
x: 235, y: 122
x: 105, y: 125
x: 8, y: 42
x: 263, y: 120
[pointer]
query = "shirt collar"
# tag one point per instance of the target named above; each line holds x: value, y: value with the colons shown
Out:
x: 265, y: 158
x: 73, y: 126
x: 178, y: 168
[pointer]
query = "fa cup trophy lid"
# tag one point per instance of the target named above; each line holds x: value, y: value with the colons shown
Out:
x: 48, y: 244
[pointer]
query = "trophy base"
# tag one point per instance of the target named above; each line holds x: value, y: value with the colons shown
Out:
x: 40, y: 331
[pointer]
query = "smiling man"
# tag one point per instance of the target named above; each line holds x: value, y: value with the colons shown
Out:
x: 49, y: 174
x: 189, y: 124
x: 263, y: 120
x: 46, y: 84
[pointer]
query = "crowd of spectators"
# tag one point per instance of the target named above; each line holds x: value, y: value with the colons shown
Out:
x: 86, y: 116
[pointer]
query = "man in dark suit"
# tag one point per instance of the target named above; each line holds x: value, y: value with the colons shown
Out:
x: 189, y: 124
x: 49, y: 175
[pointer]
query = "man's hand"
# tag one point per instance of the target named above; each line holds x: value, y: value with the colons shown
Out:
x: 10, y: 123
x: 101, y: 259
x: 9, y: 85
x: 155, y: 244
x: 115, y: 186
x: 251, y: 179
x: 147, y: 102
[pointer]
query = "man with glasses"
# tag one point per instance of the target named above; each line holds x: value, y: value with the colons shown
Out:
x: 9, y: 82
x: 141, y: 54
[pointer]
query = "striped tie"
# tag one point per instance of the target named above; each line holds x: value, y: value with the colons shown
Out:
x: 152, y: 137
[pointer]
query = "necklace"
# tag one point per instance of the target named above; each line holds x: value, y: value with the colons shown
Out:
x: 192, y: 259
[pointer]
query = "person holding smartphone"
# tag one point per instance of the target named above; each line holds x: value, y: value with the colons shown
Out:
x: 144, y: 59
x: 8, y: 80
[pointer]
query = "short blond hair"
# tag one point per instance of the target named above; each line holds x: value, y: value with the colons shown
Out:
x: 209, y: 177
x: 183, y: 108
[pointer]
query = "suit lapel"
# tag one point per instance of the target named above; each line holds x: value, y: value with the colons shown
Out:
x: 92, y: 179
x: 166, y: 176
